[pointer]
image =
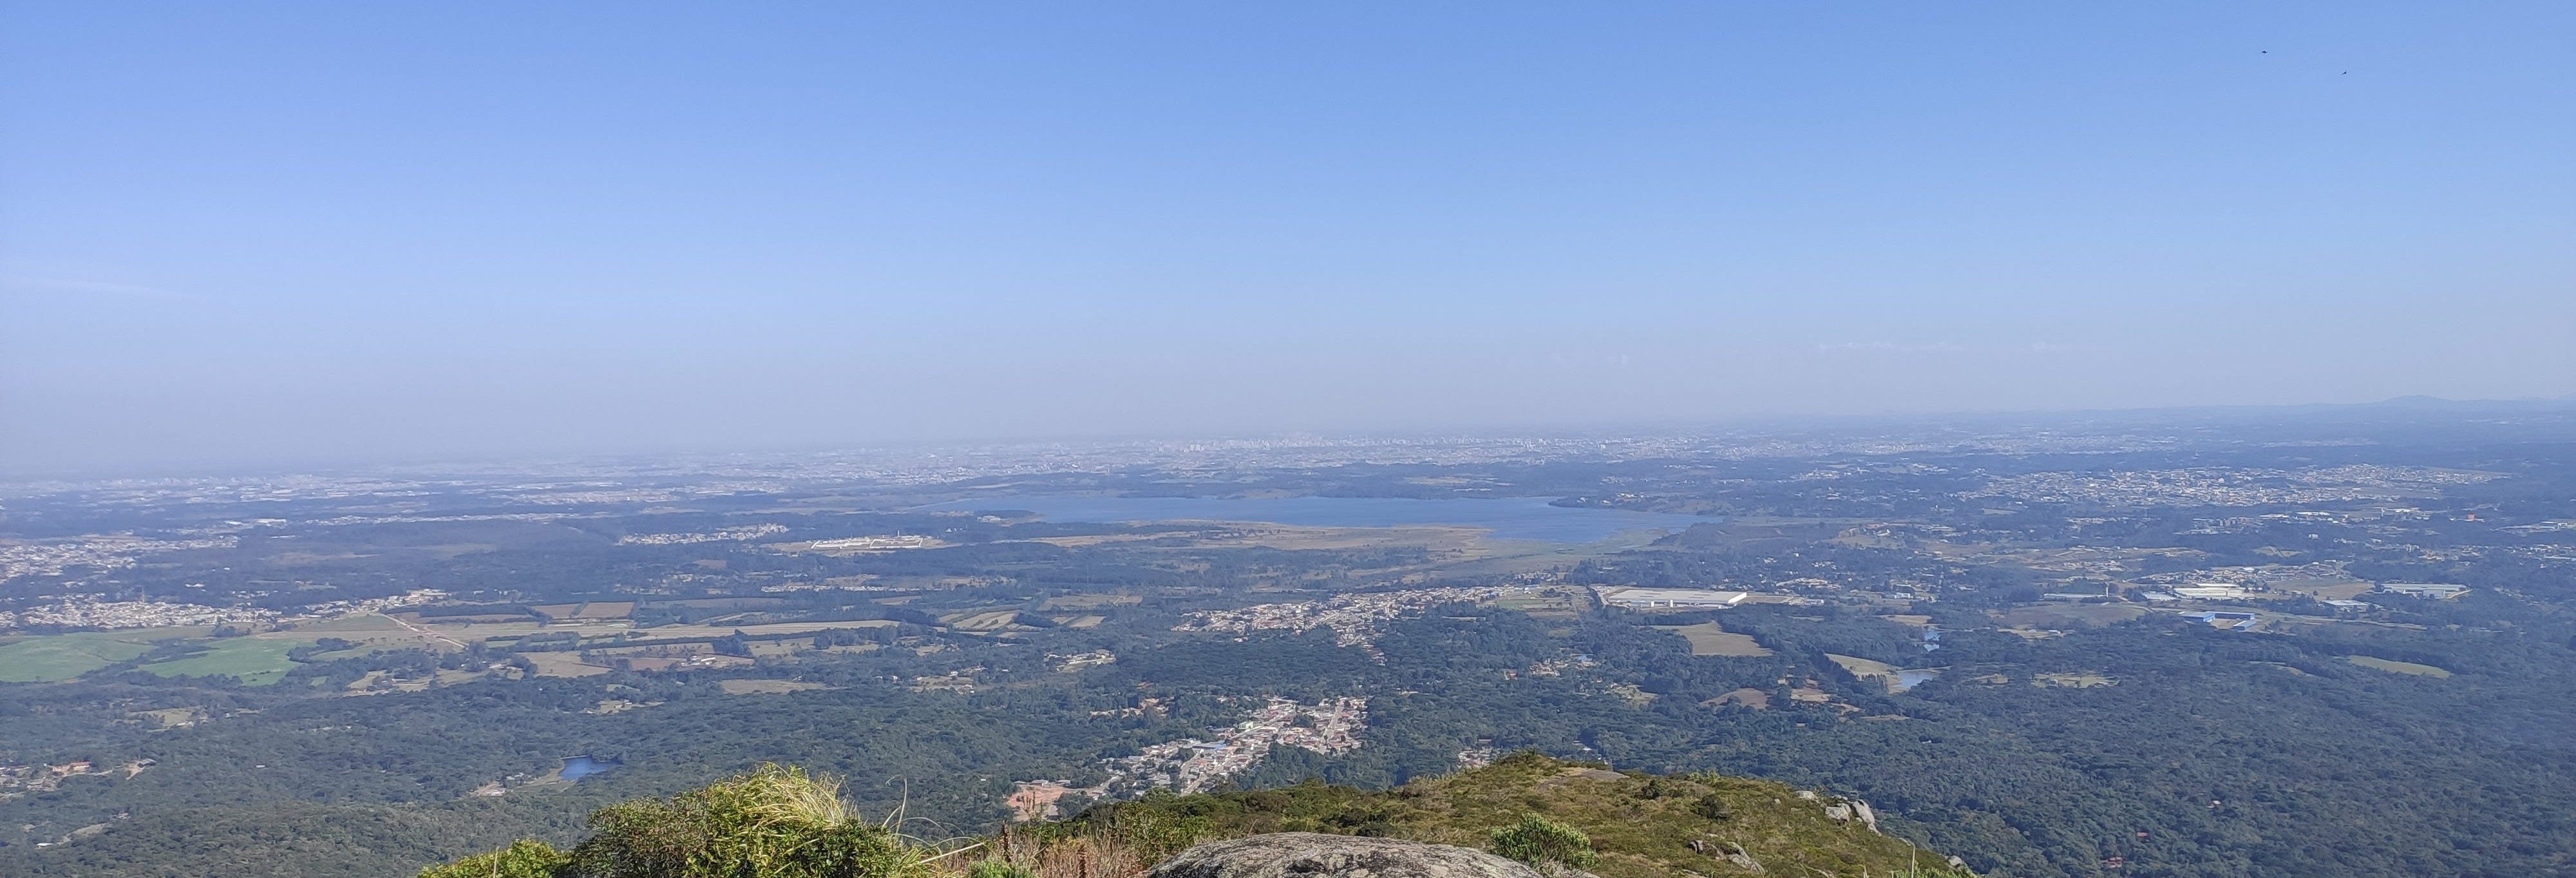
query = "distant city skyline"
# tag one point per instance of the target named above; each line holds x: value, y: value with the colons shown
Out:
x: 262, y: 233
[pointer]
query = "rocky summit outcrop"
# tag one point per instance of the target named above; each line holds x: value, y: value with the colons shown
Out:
x: 1315, y: 855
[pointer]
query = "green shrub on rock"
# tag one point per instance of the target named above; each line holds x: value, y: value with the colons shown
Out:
x: 1539, y: 841
x: 526, y: 858
x: 774, y: 822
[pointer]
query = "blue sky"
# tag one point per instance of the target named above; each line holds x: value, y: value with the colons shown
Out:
x: 306, y: 232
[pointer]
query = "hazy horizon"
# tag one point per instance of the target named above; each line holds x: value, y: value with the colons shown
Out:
x: 2363, y: 421
x: 261, y: 233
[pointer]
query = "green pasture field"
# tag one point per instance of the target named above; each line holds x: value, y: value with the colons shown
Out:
x: 258, y: 661
x: 52, y: 658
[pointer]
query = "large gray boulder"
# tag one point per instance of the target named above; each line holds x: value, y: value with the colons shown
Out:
x: 1314, y: 855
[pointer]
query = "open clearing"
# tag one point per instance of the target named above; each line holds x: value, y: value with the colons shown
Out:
x: 2074, y: 680
x: 1544, y: 604
x: 987, y: 620
x: 605, y: 610
x: 170, y: 717
x: 258, y: 661
x: 371, y: 631
x: 1753, y: 698
x: 2397, y: 667
x: 1706, y: 638
x: 1863, y: 668
x: 1890, y: 676
x: 562, y: 664
x: 53, y: 658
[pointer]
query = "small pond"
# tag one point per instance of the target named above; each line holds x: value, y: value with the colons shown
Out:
x: 579, y: 767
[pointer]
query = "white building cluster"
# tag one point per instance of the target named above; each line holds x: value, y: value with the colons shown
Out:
x: 1669, y: 598
x: 55, y: 557
x: 90, y: 612
x: 1354, y: 618
x: 1330, y: 727
x: 2228, y: 486
x: 750, y: 532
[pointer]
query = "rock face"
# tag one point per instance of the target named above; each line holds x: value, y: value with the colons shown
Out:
x: 1314, y: 855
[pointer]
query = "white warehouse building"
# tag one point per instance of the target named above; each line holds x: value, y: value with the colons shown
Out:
x: 1668, y: 598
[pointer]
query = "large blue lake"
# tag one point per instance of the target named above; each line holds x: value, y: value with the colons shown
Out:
x: 1511, y: 518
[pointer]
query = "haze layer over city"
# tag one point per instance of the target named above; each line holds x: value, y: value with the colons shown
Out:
x: 1422, y: 440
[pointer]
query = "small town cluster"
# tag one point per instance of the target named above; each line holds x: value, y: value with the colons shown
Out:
x: 95, y: 553
x: 2230, y: 486
x: 87, y: 612
x: 1329, y: 727
x: 1353, y: 618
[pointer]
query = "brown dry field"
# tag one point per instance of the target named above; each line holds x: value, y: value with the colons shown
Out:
x: 606, y: 610
x: 1707, y: 638
x: 2397, y: 667
x: 988, y: 620
x: 562, y: 664
x: 2325, y: 589
x: 1864, y: 668
x: 372, y: 631
x: 1753, y: 698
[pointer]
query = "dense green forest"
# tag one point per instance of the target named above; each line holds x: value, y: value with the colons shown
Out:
x: 2209, y: 753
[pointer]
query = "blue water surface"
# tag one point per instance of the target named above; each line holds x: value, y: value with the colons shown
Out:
x: 580, y: 767
x: 1510, y: 518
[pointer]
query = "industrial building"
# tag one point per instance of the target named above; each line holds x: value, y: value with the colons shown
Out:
x: 1668, y: 598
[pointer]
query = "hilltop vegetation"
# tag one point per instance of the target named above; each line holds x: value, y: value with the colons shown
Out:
x: 778, y: 822
x: 1635, y: 825
x: 774, y: 822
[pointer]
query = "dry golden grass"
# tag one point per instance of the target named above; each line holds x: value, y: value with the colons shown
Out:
x: 562, y: 664
x: 1707, y: 638
x: 2398, y: 667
